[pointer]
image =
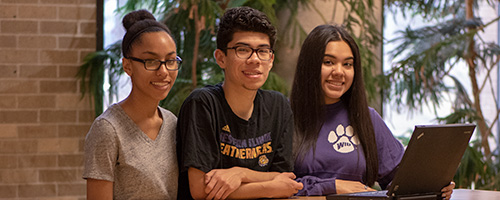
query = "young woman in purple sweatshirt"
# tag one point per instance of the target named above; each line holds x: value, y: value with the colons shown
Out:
x: 340, y: 144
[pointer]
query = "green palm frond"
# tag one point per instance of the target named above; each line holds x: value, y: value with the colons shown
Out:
x: 423, y: 60
x: 472, y: 167
x: 181, y: 90
x: 428, y: 9
x: 275, y: 82
x: 360, y: 21
x: 178, y: 16
x: 91, y: 74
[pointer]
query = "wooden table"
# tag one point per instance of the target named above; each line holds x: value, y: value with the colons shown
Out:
x: 465, y: 194
x: 458, y: 194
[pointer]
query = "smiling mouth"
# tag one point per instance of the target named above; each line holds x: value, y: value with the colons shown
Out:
x: 335, y: 83
x: 160, y: 83
x: 252, y: 73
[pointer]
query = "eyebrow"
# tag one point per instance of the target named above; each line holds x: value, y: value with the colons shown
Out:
x: 155, y: 54
x: 332, y: 56
x: 246, y: 44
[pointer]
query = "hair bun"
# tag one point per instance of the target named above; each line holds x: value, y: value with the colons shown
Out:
x: 136, y: 16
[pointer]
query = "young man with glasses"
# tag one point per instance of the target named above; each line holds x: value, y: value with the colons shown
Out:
x: 234, y: 139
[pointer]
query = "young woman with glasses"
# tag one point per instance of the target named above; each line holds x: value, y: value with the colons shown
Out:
x: 130, y: 149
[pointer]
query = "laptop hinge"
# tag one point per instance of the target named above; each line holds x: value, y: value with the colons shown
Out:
x: 432, y: 196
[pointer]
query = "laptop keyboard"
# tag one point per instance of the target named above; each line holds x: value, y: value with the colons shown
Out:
x: 381, y: 193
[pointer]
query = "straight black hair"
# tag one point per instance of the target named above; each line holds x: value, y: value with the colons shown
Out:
x: 307, y: 98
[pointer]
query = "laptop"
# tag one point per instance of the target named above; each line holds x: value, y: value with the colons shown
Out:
x: 429, y: 163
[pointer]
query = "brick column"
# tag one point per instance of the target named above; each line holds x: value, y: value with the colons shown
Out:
x: 43, y: 122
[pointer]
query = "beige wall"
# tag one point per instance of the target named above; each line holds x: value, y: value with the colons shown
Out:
x: 331, y: 11
x: 42, y: 120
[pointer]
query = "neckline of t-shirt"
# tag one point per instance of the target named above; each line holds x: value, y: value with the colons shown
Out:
x: 143, y: 135
x: 233, y: 115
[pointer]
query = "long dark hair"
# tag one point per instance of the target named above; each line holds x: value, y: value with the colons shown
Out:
x: 307, y: 98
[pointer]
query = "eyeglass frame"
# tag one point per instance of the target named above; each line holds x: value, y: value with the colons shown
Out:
x: 271, y: 51
x: 143, y: 61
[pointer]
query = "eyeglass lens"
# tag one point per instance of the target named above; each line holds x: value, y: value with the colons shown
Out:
x: 246, y: 52
x: 156, y: 64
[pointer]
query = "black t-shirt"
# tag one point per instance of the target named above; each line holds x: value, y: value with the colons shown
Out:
x: 210, y: 136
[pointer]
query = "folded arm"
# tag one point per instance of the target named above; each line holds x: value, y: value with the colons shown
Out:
x: 241, y: 183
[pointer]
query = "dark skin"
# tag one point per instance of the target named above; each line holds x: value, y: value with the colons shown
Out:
x: 148, y: 88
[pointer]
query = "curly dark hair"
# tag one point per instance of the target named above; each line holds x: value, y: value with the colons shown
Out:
x: 243, y: 19
x: 136, y: 23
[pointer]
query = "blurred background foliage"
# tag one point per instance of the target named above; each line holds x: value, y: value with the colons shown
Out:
x: 420, y: 63
x: 193, y: 25
x: 420, y: 74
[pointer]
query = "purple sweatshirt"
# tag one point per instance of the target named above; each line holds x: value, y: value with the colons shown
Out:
x: 339, y: 154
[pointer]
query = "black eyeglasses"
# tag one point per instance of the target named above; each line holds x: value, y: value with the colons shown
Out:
x: 153, y: 64
x: 245, y: 52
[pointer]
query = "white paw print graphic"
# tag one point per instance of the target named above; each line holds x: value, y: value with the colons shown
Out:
x: 342, y: 139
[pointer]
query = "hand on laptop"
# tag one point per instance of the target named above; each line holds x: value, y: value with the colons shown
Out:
x: 345, y: 186
x: 448, y: 190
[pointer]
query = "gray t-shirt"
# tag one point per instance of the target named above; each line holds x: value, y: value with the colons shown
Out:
x: 117, y: 150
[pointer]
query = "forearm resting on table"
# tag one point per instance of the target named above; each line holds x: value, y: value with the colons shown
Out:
x: 247, y: 175
x: 250, y: 184
x: 282, y: 186
x: 255, y: 190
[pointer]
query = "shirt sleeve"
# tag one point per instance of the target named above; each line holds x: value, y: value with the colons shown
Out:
x: 314, y: 186
x: 101, y: 151
x: 390, y: 150
x: 198, y: 142
x: 283, y: 161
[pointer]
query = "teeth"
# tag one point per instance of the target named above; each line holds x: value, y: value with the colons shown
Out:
x: 159, y: 83
x: 335, y: 83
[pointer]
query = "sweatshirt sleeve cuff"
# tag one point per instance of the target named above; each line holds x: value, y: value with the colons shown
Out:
x: 314, y: 186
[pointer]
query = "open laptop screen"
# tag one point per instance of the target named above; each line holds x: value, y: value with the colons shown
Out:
x: 429, y: 163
